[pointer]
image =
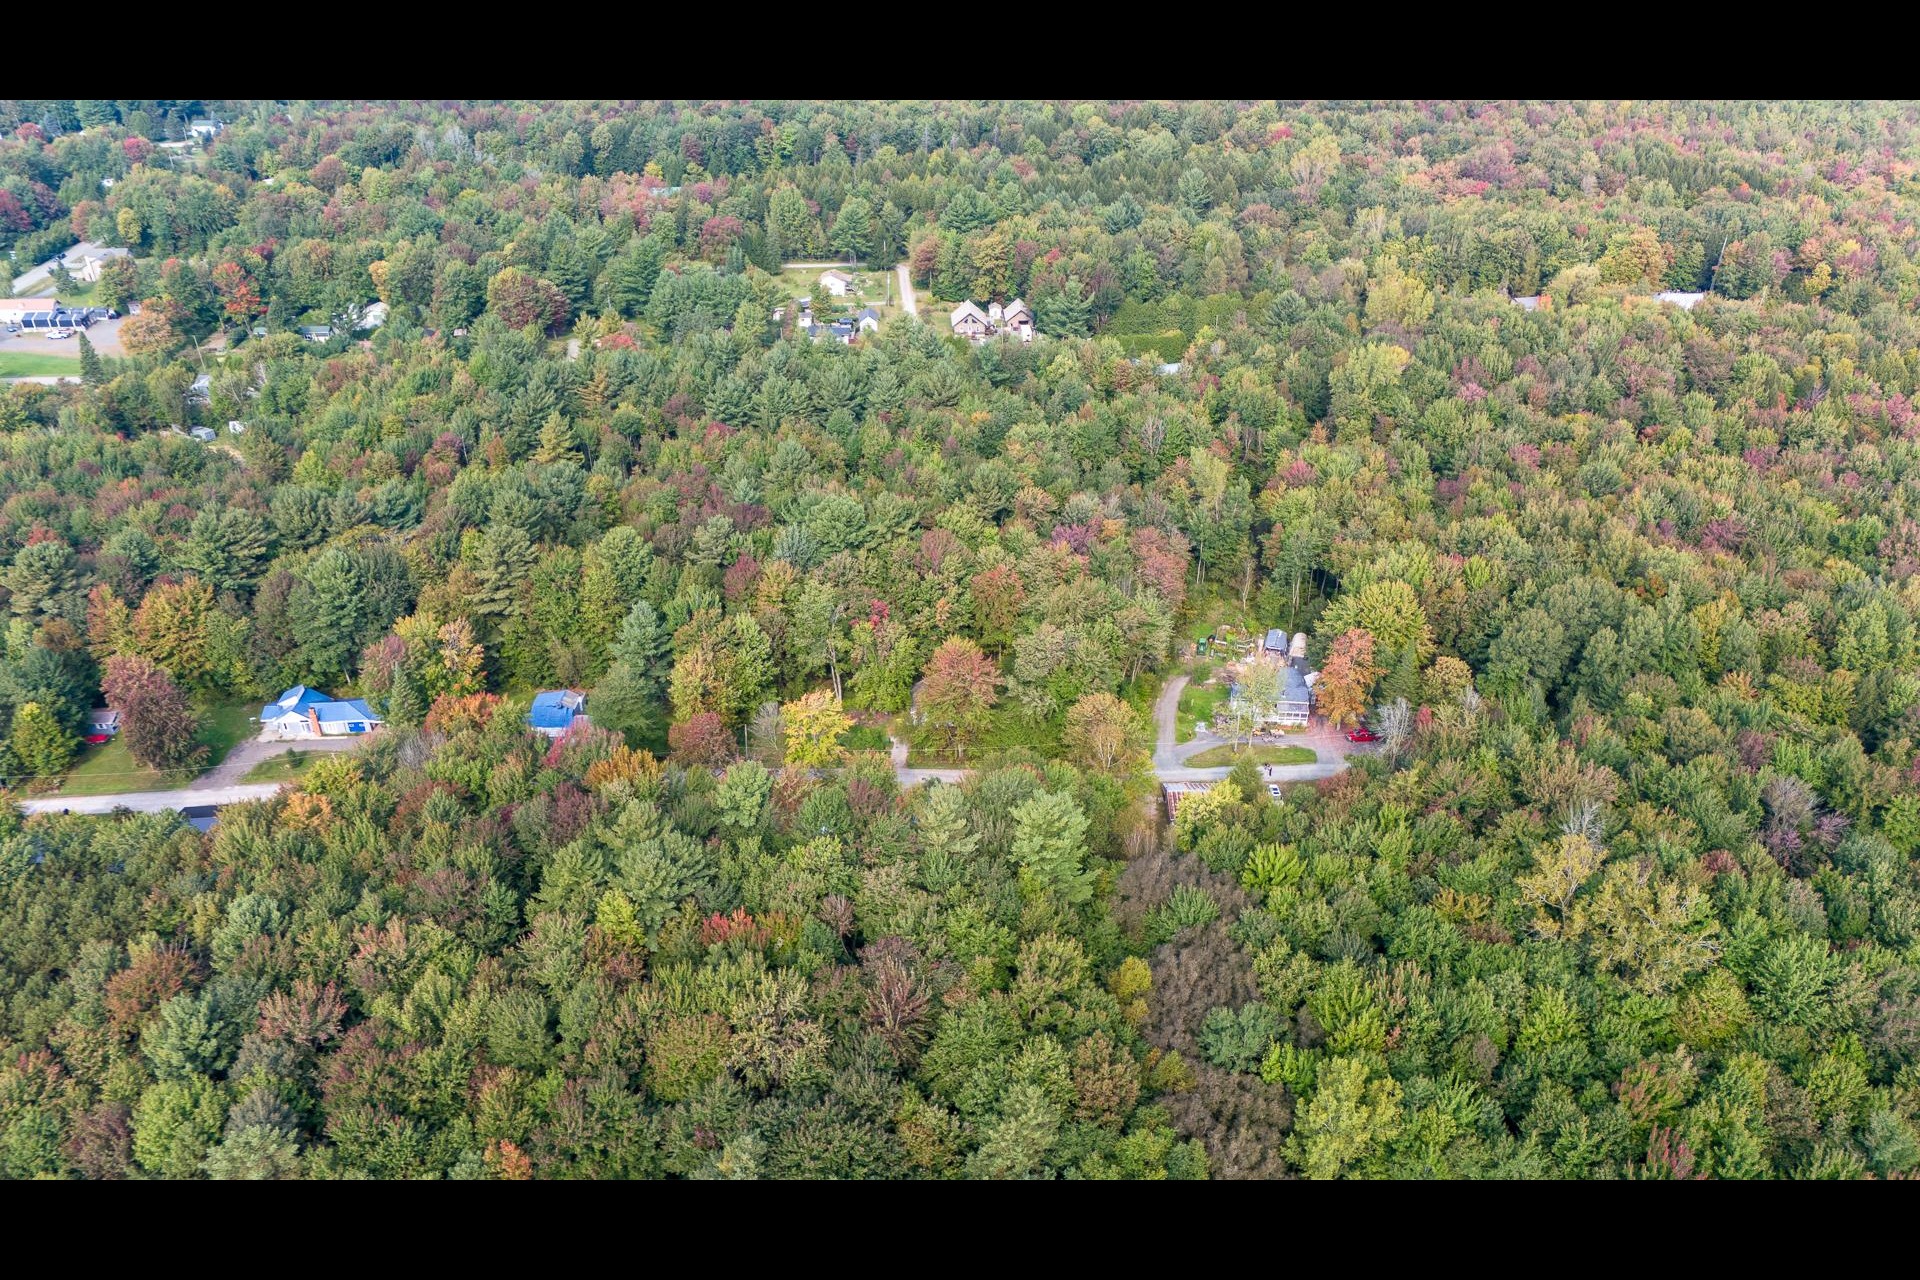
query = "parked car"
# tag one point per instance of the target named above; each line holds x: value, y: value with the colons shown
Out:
x: 54, y: 335
x: 1362, y: 734
x: 1273, y: 789
x: 98, y: 739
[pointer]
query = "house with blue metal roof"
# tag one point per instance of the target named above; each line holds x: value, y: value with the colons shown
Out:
x: 555, y: 710
x: 301, y: 712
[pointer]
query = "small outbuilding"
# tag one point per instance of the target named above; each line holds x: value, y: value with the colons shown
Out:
x: 554, y: 711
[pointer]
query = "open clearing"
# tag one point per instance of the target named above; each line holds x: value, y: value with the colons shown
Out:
x: 108, y: 770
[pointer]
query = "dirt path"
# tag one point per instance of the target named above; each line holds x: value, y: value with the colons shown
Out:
x: 907, y: 299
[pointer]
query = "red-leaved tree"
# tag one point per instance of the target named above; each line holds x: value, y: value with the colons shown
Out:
x: 157, y: 722
x: 701, y: 739
x: 958, y: 691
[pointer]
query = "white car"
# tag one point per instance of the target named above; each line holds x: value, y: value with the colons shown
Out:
x: 59, y: 333
x: 1273, y: 789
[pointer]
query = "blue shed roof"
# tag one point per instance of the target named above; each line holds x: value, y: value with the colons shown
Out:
x: 555, y: 708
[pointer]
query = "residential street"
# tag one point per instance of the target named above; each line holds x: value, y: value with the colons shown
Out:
x: 152, y: 801
x: 219, y: 785
x: 41, y: 275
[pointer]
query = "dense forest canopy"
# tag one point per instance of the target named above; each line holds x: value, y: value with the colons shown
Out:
x: 1632, y: 585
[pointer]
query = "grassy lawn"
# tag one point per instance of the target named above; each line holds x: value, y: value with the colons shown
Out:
x: 284, y: 768
x: 40, y: 364
x: 109, y: 770
x: 870, y: 289
x: 1217, y: 757
x: 1198, y: 702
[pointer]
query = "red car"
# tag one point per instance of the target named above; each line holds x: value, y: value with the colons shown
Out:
x: 1362, y: 734
x: 99, y: 739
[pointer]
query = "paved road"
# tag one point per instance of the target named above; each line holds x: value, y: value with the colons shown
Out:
x: 43, y: 381
x: 43, y: 273
x: 151, y: 801
x: 219, y: 785
x: 1165, y: 712
x: 907, y: 299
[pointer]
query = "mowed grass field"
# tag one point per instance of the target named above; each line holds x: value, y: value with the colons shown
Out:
x: 1226, y: 757
x: 870, y: 289
x: 285, y: 768
x: 1198, y: 702
x: 108, y: 770
x: 16, y: 363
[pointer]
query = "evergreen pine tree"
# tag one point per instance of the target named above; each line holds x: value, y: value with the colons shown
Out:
x: 90, y: 371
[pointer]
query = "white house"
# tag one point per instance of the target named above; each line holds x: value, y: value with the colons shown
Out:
x: 837, y: 283
x: 205, y: 129
x: 1291, y: 704
x: 301, y: 712
x: 87, y: 266
x: 11, y: 309
x: 1684, y: 301
x: 373, y: 316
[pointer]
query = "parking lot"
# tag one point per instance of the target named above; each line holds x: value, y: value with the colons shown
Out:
x: 103, y: 334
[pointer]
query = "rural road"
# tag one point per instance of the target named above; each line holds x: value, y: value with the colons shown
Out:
x: 219, y: 785
x: 151, y: 801
x: 42, y: 273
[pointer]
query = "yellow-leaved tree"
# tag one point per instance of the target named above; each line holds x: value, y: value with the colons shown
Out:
x: 811, y: 727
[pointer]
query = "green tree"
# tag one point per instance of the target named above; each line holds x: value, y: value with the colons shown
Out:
x: 176, y: 1124
x: 91, y: 371
x: 42, y: 743
x: 853, y: 229
x: 1049, y: 846
x: 1347, y: 1122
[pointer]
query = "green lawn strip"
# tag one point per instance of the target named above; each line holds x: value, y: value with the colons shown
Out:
x: 284, y: 768
x: 39, y: 364
x: 1225, y: 756
x: 109, y: 770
